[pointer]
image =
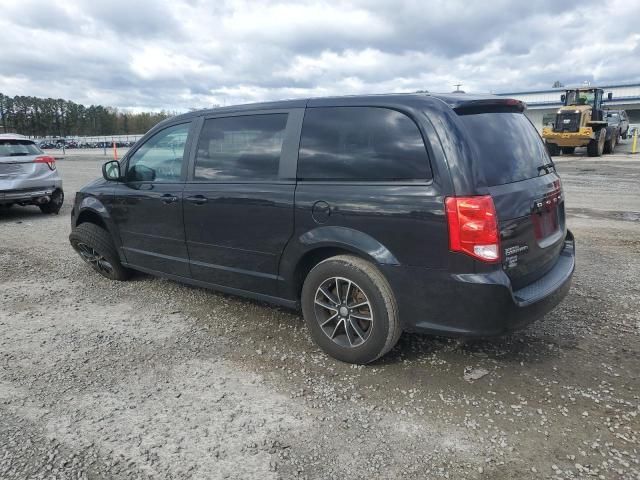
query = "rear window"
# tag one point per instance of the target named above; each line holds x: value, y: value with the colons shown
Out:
x: 18, y: 148
x: 361, y: 143
x: 507, y: 145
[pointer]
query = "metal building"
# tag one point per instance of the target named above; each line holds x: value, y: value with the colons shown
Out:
x: 542, y: 105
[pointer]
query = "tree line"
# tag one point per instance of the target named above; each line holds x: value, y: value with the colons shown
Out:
x: 45, y: 117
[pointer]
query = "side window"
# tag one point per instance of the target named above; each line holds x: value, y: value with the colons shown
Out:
x: 240, y: 148
x: 361, y: 143
x: 159, y: 159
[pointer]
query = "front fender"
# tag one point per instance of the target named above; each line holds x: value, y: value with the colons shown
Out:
x: 91, y: 208
x: 93, y: 204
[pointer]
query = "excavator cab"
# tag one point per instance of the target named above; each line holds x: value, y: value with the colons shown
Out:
x: 583, y: 96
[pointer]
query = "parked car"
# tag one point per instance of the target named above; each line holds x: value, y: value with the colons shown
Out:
x: 28, y: 176
x: 618, y: 118
x: 375, y: 215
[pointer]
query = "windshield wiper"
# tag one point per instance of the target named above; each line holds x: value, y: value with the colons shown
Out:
x: 546, y: 168
x: 18, y: 154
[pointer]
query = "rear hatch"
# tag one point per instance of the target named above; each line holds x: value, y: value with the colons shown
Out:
x: 520, y: 176
x: 17, y: 158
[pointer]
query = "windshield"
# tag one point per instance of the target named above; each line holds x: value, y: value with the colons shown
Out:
x: 18, y: 148
x: 580, y: 97
x: 507, y: 146
x: 613, y: 117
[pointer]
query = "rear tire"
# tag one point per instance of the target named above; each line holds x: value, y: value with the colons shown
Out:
x: 350, y: 309
x: 568, y: 150
x: 95, y: 247
x: 54, y: 204
x: 553, y: 149
x: 596, y: 146
x: 610, y: 145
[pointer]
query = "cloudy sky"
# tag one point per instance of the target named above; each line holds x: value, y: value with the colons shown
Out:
x: 180, y: 54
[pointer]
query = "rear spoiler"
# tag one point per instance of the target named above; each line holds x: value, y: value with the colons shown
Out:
x: 490, y: 105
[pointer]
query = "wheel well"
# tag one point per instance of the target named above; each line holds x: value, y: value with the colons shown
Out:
x: 88, y: 216
x: 311, y: 259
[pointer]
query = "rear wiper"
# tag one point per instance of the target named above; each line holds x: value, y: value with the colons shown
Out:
x: 546, y: 168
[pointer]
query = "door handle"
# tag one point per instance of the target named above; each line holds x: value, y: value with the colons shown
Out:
x: 197, y: 199
x: 168, y: 198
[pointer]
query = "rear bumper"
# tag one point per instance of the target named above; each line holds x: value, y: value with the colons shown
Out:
x: 26, y: 196
x: 31, y: 187
x: 441, y: 303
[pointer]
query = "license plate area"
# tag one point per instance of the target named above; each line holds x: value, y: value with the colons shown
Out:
x: 545, y: 215
x: 545, y: 222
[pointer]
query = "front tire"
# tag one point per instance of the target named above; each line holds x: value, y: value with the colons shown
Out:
x: 350, y: 309
x: 95, y: 247
x: 596, y: 146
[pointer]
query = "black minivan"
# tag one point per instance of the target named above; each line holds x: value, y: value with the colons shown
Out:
x: 375, y: 215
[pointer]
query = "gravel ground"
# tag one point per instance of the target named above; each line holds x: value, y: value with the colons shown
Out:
x: 152, y: 379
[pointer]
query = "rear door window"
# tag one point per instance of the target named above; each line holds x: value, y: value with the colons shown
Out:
x: 361, y: 143
x: 507, y: 145
x: 240, y: 148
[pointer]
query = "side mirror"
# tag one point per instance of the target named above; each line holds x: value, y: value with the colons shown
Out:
x: 609, y: 96
x: 563, y: 97
x: 111, y: 171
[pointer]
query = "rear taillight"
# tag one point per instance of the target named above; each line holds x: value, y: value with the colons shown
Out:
x: 473, y: 227
x: 49, y: 160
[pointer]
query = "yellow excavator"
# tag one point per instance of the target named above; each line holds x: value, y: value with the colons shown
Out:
x: 580, y: 122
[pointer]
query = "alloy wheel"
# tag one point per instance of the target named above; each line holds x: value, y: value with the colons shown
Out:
x: 343, y: 312
x: 93, y: 258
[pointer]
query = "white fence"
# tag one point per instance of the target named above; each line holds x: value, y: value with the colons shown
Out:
x: 93, y: 139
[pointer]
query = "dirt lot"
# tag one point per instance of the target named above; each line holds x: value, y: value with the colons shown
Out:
x: 152, y: 379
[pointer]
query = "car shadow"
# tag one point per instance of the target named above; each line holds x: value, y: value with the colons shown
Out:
x: 530, y: 345
x: 18, y: 214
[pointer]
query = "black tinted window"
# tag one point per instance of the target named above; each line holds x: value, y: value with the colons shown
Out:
x: 361, y: 143
x: 240, y: 148
x: 507, y: 145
